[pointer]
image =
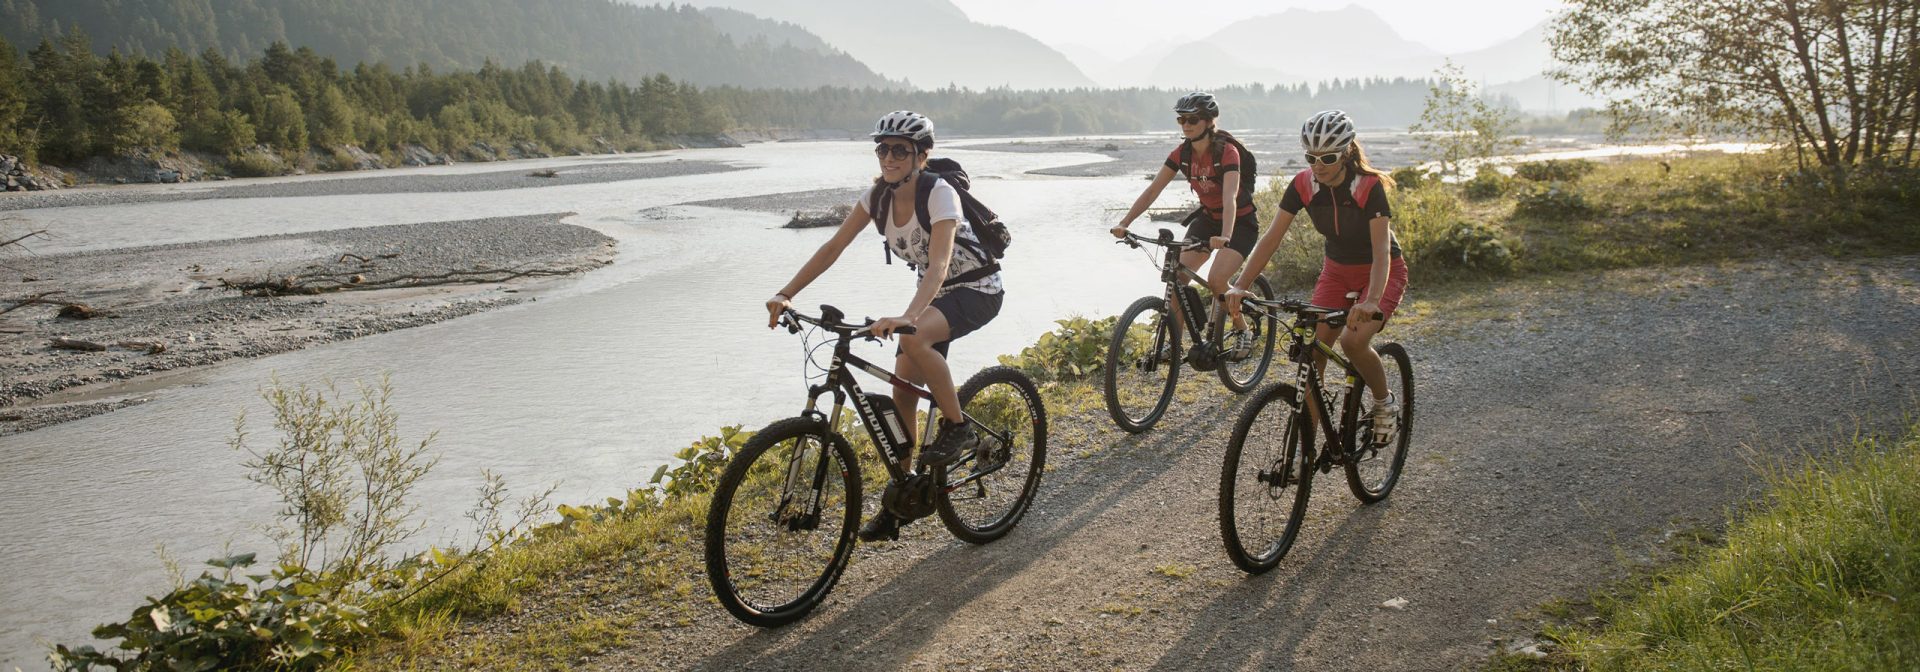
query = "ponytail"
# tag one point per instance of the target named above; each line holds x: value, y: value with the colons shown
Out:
x: 1357, y: 160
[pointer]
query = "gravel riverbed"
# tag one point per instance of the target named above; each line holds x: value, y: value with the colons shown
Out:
x: 174, y: 297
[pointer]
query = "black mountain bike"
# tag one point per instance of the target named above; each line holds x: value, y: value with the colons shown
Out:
x: 1144, y: 357
x: 781, y: 526
x: 1268, y: 472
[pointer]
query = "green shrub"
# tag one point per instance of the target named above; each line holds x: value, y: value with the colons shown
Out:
x: 700, y: 464
x: 1075, y: 350
x: 1554, y: 170
x: 1410, y: 177
x: 1552, y: 202
x: 1469, y: 246
x: 253, y: 164
x: 289, y: 619
x: 1487, y: 183
x: 1437, y: 236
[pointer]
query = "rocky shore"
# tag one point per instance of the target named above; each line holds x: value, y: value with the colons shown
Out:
x: 172, y: 307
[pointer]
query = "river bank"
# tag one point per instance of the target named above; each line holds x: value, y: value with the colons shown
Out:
x: 170, y: 308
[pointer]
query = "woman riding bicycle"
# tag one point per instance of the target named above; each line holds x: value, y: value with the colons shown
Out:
x: 1213, y: 172
x: 959, y: 291
x: 1347, y: 198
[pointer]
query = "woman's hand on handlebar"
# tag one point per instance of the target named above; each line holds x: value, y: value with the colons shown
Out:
x: 1233, y: 297
x: 775, y: 306
x: 1366, y: 312
x: 884, y: 327
x: 1119, y: 230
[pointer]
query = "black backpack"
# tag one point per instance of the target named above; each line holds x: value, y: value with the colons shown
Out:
x: 993, y: 234
x: 1248, y: 167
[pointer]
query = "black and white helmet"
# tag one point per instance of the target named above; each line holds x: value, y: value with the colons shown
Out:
x: 1197, y: 103
x: 905, y: 124
x: 1327, y: 132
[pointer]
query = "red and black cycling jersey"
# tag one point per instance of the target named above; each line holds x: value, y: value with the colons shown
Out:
x: 1207, y: 185
x: 1337, y: 215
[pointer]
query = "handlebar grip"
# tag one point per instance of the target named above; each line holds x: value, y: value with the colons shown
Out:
x: 908, y: 329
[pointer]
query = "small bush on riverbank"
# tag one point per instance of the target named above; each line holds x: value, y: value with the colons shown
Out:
x: 1076, y: 350
x: 1824, y: 574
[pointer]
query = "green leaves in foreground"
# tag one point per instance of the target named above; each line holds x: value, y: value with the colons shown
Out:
x: 1077, y: 349
x: 285, y: 620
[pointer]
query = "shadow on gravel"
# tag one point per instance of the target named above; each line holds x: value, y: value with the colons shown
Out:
x: 1267, y: 617
x: 900, y: 617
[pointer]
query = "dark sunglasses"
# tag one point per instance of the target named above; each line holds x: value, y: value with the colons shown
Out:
x: 1190, y: 121
x: 898, y: 151
x: 1325, y: 159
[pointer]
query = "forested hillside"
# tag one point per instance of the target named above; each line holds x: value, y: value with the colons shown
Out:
x: 64, y: 104
x: 591, y: 39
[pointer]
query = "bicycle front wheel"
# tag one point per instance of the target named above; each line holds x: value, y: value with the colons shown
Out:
x: 1143, y: 365
x: 1266, y: 479
x: 1241, y: 371
x: 780, y: 528
x: 1375, y: 468
x: 982, y: 498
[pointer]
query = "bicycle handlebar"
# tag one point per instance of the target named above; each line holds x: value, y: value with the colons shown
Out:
x: 831, y: 319
x: 1134, y: 240
x: 1302, y: 308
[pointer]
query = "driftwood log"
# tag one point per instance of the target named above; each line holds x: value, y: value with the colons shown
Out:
x: 76, y: 344
x: 68, y: 309
x: 149, y: 347
x: 321, y: 283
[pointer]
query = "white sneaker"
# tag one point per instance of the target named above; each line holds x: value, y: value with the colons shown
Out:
x: 1239, y: 345
x: 1386, y: 418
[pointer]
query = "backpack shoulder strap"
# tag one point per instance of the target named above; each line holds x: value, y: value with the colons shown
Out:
x: 922, y: 189
x: 1186, y: 159
x: 1362, y: 188
x: 873, y: 209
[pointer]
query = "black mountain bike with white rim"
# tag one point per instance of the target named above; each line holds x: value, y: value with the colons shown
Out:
x: 1272, y: 458
x: 781, y: 526
x: 1145, y: 354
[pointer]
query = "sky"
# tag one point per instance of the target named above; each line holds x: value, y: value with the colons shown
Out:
x: 1120, y: 28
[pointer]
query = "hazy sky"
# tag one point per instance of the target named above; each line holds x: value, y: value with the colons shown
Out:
x: 1115, y: 26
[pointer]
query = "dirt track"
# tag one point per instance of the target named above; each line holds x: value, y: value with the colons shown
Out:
x: 1562, y: 430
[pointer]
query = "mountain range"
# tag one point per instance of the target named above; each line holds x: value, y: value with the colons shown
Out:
x: 929, y: 43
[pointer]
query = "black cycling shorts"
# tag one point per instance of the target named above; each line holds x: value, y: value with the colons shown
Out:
x: 966, y: 311
x: 1246, y: 231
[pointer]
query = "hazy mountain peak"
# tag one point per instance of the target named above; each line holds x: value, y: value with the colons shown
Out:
x: 931, y: 43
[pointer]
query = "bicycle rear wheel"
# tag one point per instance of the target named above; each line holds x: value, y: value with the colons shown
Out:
x: 780, y: 528
x: 1244, y: 373
x: 1266, y: 479
x: 1012, y: 426
x: 1373, y: 471
x: 1143, y: 365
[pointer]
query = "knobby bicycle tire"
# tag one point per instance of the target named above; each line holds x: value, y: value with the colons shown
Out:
x: 1372, y: 487
x: 743, y: 538
x: 1004, y: 402
x: 1270, y: 440
x: 1132, y: 350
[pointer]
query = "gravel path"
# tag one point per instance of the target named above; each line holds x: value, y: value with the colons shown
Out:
x: 1561, y: 425
x: 382, y: 183
x: 172, y: 295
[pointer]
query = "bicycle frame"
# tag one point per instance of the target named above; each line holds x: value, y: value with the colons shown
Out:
x: 842, y: 384
x: 1305, y: 345
x: 1175, y: 276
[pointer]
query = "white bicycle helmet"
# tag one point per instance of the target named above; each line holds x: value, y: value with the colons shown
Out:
x: 1198, y: 102
x: 1327, y: 132
x: 905, y: 124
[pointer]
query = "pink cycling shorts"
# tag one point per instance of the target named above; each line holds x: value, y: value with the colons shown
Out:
x: 1336, y: 280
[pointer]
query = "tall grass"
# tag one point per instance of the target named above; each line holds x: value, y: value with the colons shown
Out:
x: 1824, y: 574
